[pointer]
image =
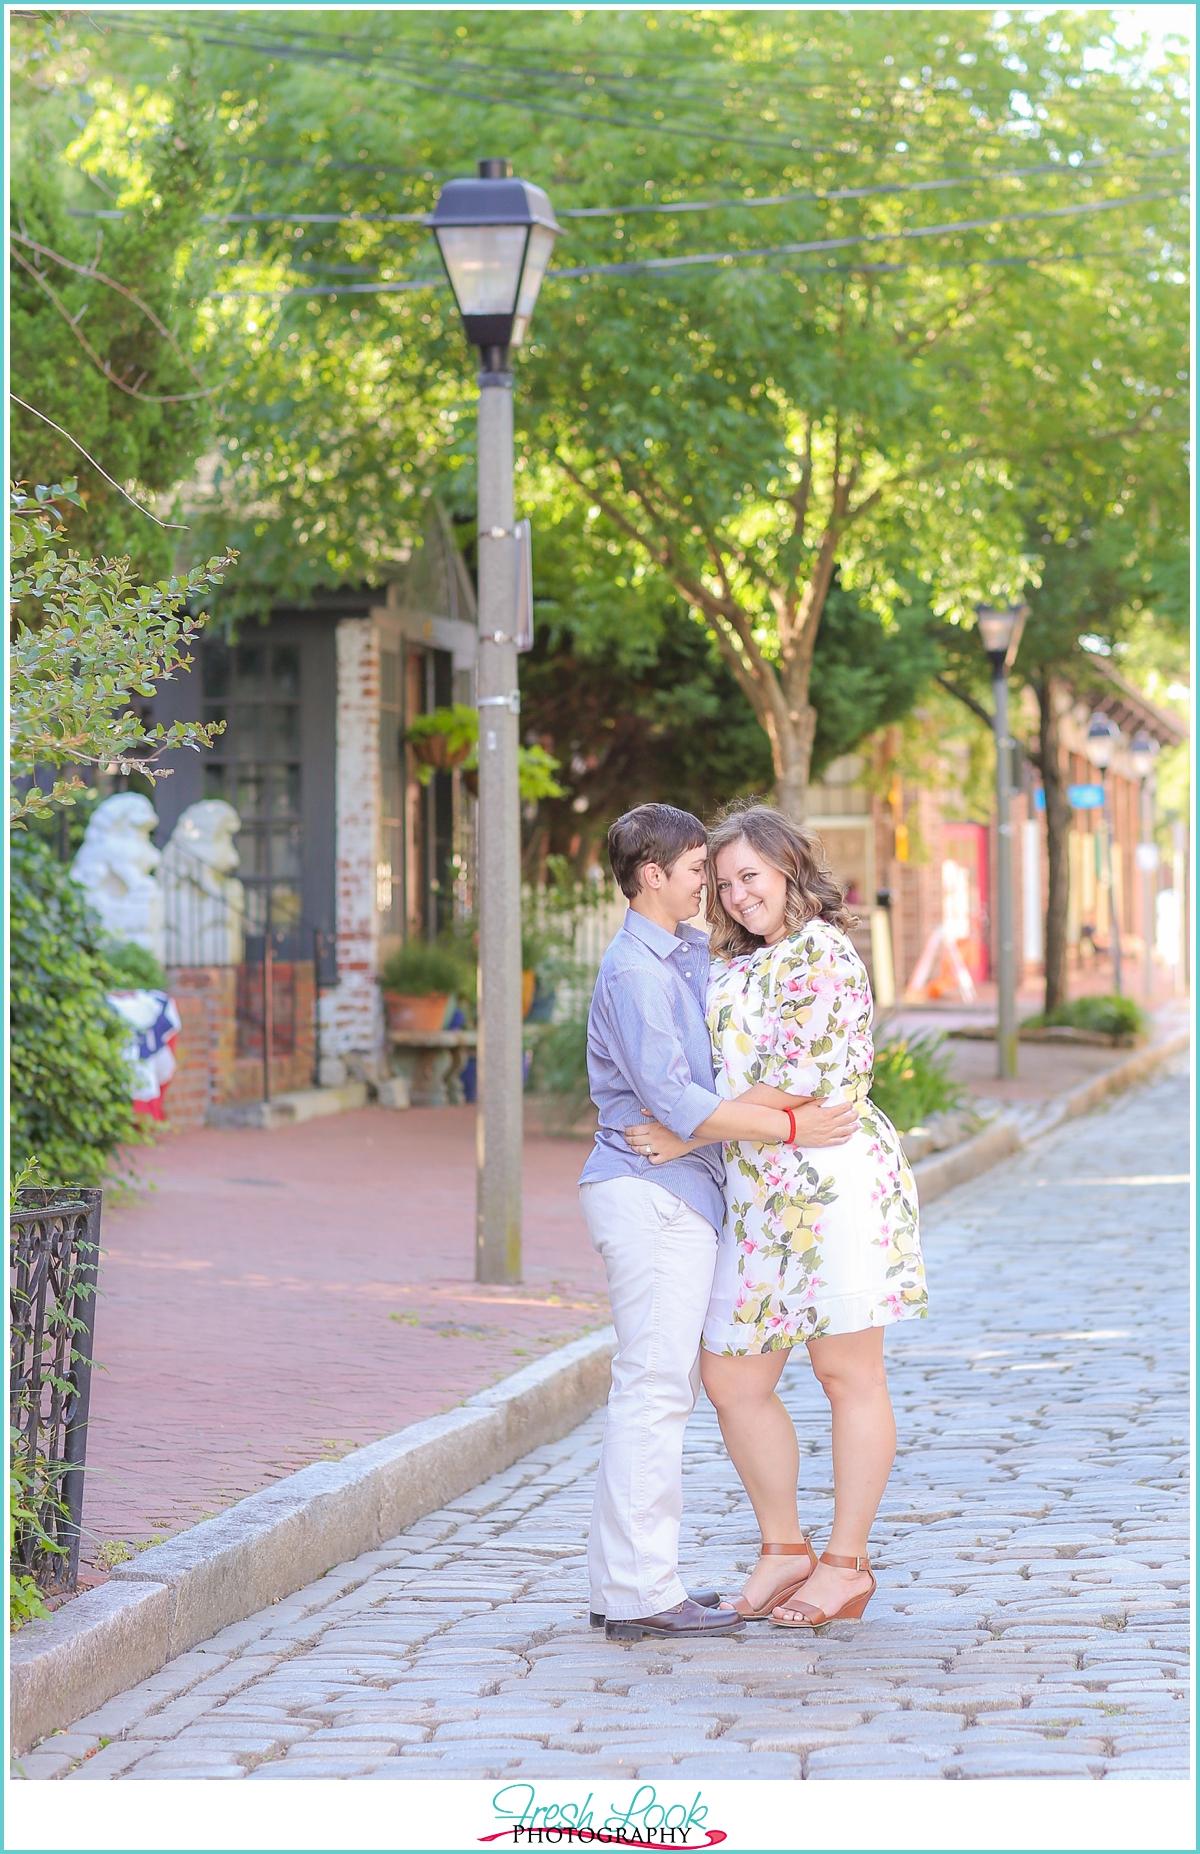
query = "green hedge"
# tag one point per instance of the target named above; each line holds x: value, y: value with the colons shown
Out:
x: 69, y: 1081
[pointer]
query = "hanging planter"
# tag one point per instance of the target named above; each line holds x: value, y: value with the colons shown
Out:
x: 442, y: 740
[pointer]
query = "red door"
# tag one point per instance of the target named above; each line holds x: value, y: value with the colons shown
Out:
x: 967, y: 901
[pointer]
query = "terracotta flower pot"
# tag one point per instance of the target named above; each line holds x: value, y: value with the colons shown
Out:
x: 528, y: 987
x: 405, y: 1012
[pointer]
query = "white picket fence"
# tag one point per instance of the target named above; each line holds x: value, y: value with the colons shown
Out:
x: 594, y: 933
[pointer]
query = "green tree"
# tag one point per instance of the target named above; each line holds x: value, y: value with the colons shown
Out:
x: 1081, y: 401
x: 106, y: 369
x: 744, y: 428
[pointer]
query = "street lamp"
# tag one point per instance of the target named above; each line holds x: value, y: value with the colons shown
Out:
x: 1143, y: 751
x: 495, y: 235
x: 1000, y: 630
x: 1102, y: 737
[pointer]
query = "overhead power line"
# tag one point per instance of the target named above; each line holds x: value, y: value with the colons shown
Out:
x: 526, y: 104
x: 808, y: 246
x: 666, y: 208
x: 859, y: 238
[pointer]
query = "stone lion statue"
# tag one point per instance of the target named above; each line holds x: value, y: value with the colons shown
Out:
x: 115, y: 869
x: 205, y: 902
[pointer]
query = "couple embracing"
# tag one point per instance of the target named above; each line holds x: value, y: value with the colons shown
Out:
x: 746, y: 1196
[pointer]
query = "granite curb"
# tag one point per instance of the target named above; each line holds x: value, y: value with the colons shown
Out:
x: 278, y: 1540
x: 275, y: 1542
x: 1005, y: 1135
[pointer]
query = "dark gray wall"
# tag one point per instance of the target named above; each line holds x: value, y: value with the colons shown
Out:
x: 181, y: 700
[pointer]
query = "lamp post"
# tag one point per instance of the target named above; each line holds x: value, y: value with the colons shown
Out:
x: 1143, y: 751
x: 1102, y: 737
x: 1000, y: 630
x: 495, y: 235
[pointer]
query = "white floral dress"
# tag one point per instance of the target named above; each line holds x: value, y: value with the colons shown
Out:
x: 819, y: 1242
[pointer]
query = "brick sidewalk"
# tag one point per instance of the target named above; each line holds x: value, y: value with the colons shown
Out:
x: 280, y: 1298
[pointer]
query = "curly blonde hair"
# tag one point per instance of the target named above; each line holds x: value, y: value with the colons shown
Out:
x: 812, y: 892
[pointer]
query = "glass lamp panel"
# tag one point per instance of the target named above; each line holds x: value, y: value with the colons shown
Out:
x: 995, y: 628
x: 541, y: 244
x: 484, y: 265
x: 1100, y: 742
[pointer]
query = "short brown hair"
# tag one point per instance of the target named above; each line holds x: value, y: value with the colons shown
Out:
x: 651, y: 834
x: 812, y: 892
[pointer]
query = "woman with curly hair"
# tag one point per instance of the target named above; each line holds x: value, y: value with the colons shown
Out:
x: 818, y: 1249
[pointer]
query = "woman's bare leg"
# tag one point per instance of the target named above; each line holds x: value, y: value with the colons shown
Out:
x: 761, y: 1439
x: 849, y: 1368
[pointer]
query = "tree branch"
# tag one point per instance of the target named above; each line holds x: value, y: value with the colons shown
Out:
x: 968, y: 701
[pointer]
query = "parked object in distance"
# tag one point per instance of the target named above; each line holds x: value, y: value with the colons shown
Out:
x: 115, y: 867
x: 204, y: 902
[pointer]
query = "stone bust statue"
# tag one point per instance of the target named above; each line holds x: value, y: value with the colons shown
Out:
x: 115, y: 867
x: 205, y: 902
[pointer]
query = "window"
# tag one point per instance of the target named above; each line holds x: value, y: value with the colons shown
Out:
x: 255, y: 766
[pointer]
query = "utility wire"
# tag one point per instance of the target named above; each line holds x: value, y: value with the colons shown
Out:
x: 183, y: 529
x: 525, y: 104
x: 858, y: 238
x: 824, y: 270
x: 677, y: 206
x: 736, y: 256
x: 378, y: 55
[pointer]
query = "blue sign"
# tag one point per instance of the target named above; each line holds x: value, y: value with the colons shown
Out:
x: 1086, y: 797
x: 1039, y: 798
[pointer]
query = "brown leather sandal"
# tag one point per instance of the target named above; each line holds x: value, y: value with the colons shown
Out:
x: 807, y: 1616
x: 781, y: 1595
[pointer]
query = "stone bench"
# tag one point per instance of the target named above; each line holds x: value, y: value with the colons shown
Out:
x: 430, y: 1063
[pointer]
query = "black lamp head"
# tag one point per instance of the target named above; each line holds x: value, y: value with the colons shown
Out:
x: 495, y: 235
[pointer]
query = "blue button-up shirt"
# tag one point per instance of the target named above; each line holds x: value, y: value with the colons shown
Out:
x: 648, y: 1046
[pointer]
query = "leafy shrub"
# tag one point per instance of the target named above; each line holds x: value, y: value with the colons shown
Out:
x: 70, y: 1105
x: 24, y: 1598
x: 559, y: 1068
x: 1107, y: 1016
x: 419, y: 969
x: 133, y: 967
x: 85, y: 641
x: 912, y: 1080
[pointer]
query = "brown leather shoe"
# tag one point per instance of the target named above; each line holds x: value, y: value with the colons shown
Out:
x: 684, y: 1622
x: 707, y: 1599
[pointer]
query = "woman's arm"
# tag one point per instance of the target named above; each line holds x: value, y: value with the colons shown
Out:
x: 818, y: 1123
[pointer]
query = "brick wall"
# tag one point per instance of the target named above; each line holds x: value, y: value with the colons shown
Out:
x: 207, y: 1047
x: 351, y: 1013
x: 292, y: 1041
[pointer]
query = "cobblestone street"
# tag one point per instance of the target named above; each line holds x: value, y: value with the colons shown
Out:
x: 1031, y: 1618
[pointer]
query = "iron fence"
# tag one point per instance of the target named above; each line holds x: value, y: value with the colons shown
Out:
x: 54, y: 1254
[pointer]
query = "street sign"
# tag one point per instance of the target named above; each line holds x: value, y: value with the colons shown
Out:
x: 1086, y: 797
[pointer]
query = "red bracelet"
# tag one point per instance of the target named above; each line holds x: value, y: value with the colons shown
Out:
x: 791, y: 1120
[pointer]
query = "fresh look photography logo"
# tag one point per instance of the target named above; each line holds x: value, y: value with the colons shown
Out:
x: 645, y: 1822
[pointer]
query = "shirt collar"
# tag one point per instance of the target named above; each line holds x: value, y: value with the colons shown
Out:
x: 657, y: 938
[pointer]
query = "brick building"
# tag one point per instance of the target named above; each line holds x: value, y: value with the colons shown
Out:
x: 342, y: 850
x: 914, y: 863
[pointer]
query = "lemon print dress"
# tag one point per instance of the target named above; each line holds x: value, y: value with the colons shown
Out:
x: 820, y: 1242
